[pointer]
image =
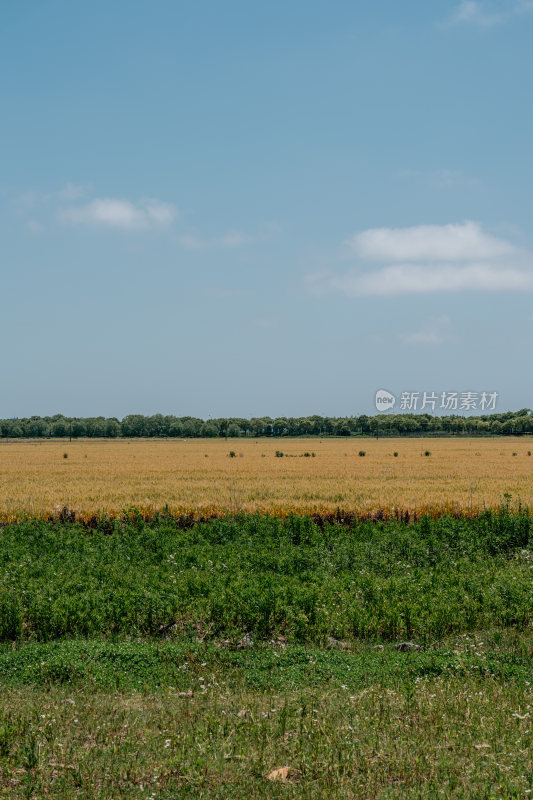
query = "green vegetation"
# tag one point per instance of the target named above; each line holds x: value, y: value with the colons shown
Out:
x: 144, y: 660
x: 147, y: 665
x: 509, y: 423
x: 419, y: 735
x: 265, y: 577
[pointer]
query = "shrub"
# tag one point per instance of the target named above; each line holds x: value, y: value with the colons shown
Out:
x: 279, y: 453
x: 232, y: 454
x: 362, y: 453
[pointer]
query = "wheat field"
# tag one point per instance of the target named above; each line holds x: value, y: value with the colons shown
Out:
x: 198, y: 475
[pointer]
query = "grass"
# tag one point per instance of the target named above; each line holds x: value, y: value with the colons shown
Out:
x: 145, y: 660
x: 107, y: 476
x: 450, y: 723
x: 147, y: 665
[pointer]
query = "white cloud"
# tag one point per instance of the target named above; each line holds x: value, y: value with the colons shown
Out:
x: 418, y: 279
x: 428, y: 242
x: 111, y: 212
x: 473, y: 12
x: 476, y: 12
x: 431, y: 258
x: 434, y: 333
x: 424, y: 337
x: 75, y: 205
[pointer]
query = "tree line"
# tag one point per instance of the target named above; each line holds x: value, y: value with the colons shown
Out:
x: 510, y: 423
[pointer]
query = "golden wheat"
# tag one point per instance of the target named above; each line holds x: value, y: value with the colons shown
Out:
x: 198, y: 476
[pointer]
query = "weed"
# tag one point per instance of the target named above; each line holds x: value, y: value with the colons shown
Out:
x: 264, y: 576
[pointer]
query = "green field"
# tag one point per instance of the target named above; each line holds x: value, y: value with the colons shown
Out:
x: 141, y: 660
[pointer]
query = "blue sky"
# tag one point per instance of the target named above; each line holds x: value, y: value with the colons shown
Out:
x: 235, y: 208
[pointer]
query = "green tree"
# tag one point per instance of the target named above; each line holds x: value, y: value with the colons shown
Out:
x: 60, y: 428
x: 37, y: 428
x: 133, y: 425
x: 191, y: 427
x: 176, y: 429
x: 209, y: 430
x: 257, y: 426
x: 342, y: 428
x: 78, y: 428
x: 112, y: 428
x: 280, y: 426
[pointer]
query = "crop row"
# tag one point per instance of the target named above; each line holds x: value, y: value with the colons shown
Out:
x: 266, y: 577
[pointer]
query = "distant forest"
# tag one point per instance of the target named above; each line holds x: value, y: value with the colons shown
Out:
x: 510, y: 423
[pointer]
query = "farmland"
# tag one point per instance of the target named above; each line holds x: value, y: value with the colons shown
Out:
x: 250, y: 650
x: 142, y: 660
x: 198, y: 476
